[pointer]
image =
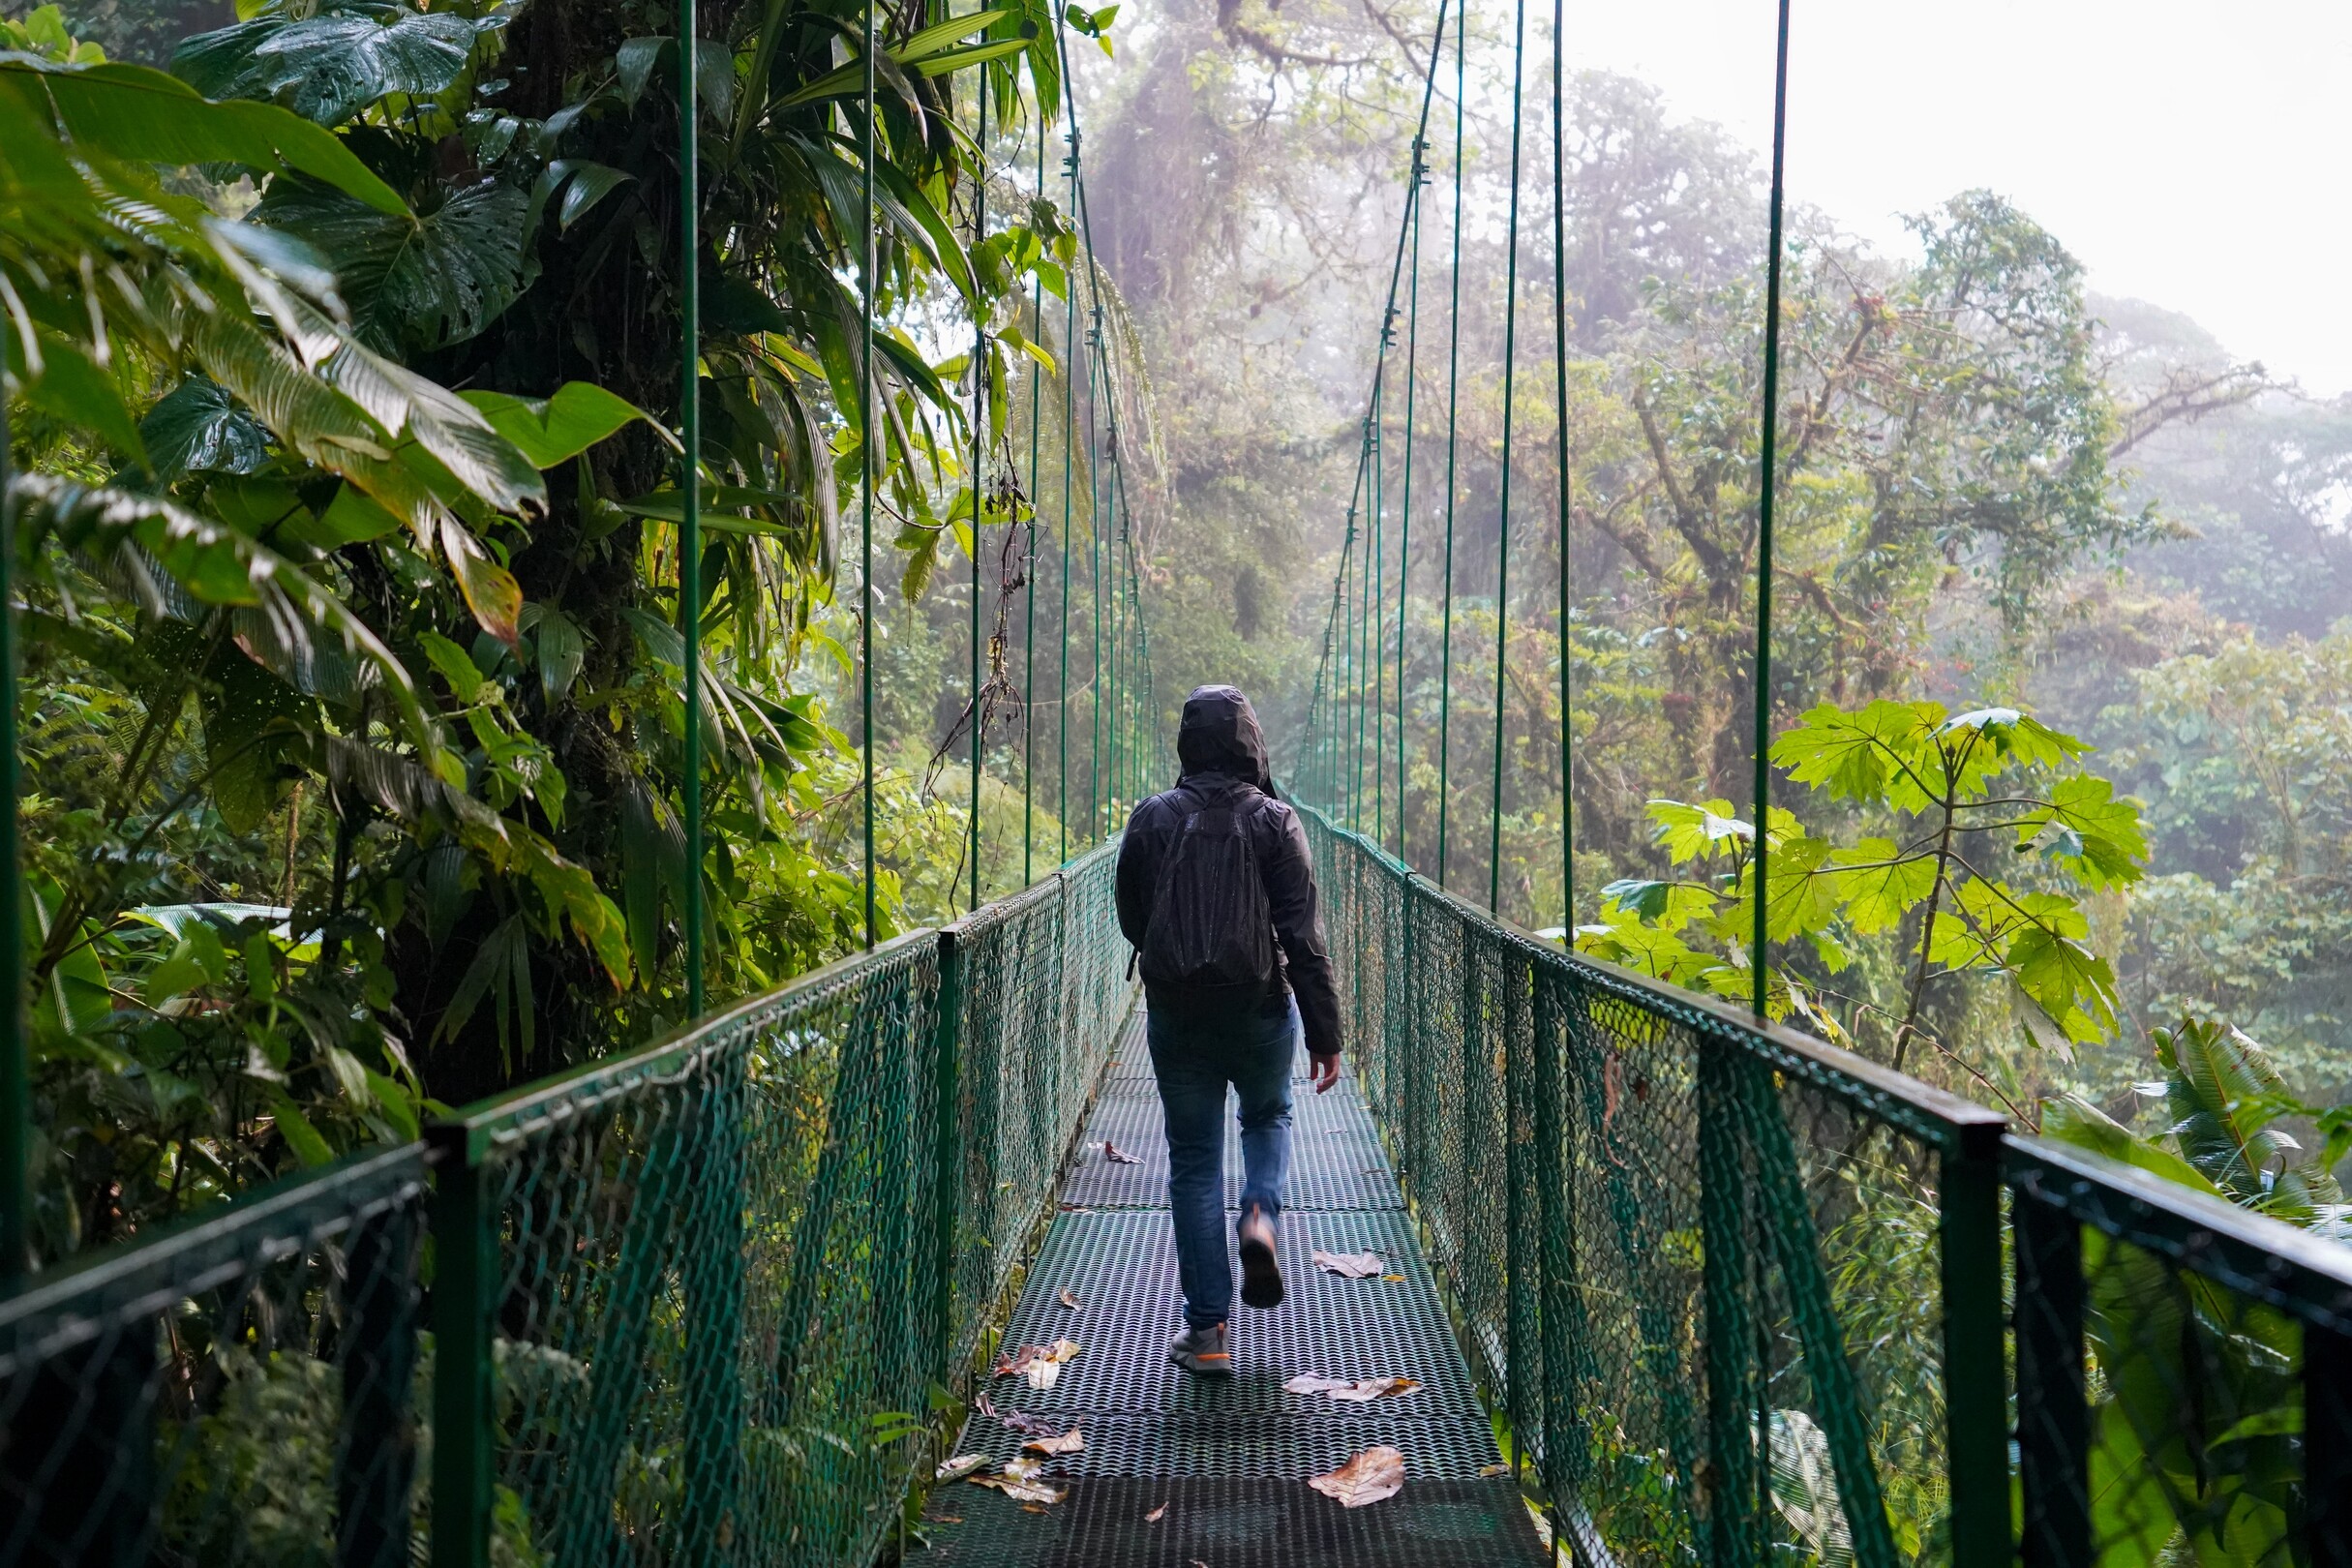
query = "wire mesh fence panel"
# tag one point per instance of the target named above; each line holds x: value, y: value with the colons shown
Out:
x: 727, y: 1280
x: 1697, y: 1262
x: 245, y: 1389
x: 2184, y: 1386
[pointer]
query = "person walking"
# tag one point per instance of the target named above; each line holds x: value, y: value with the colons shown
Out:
x: 1217, y: 895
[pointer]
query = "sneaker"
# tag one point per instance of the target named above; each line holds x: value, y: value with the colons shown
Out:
x: 1203, y: 1352
x: 1261, y: 1274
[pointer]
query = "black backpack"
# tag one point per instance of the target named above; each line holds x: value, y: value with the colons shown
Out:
x: 1211, y: 939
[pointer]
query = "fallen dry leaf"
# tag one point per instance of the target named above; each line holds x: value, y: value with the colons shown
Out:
x: 1068, y: 1442
x: 1349, y: 1265
x: 1393, y: 1279
x: 1156, y: 1515
x: 1033, y: 1508
x: 1013, y: 1366
x: 1028, y: 1426
x: 1372, y: 1475
x: 1069, y: 1298
x: 1352, y: 1390
x: 1494, y: 1469
x: 1020, y: 1491
x: 1045, y: 1369
x: 1021, y: 1467
x: 962, y: 1464
x: 1118, y: 1156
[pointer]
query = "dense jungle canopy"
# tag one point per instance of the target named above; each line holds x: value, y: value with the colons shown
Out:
x: 352, y: 714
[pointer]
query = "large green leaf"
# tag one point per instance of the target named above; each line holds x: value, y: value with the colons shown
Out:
x: 213, y: 564
x: 133, y: 112
x: 328, y: 68
x: 197, y: 428
x: 552, y: 429
x: 417, y: 282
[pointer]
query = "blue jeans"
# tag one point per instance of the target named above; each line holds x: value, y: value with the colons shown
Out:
x: 1194, y: 1059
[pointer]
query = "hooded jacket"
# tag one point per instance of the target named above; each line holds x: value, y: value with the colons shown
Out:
x: 1222, y: 755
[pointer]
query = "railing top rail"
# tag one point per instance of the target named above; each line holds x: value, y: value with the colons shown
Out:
x: 471, y: 1131
x: 2306, y: 1274
x: 75, y: 1302
x: 1953, y: 1123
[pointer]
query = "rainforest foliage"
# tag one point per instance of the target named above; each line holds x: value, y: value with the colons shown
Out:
x: 344, y: 372
x: 2059, y: 668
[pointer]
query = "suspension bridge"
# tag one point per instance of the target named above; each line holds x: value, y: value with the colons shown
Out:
x: 875, y: 1267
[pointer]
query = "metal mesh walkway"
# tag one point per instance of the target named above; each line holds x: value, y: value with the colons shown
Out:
x: 1229, y: 1459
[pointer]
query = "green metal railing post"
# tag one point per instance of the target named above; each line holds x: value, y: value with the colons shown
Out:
x: 15, y: 1066
x: 1975, y: 1403
x: 2326, y: 1447
x: 946, y: 1141
x: 714, y: 1276
x: 464, y: 1272
x: 689, y: 485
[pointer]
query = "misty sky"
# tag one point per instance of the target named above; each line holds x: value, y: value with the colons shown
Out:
x: 2193, y: 156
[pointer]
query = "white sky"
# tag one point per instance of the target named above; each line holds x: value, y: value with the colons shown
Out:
x: 2194, y: 156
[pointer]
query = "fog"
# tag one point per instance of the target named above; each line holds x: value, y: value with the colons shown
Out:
x: 2188, y: 155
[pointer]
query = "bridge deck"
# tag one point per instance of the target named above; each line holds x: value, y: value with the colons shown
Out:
x: 1229, y: 1459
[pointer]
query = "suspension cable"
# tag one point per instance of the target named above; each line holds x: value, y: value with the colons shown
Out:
x: 1453, y: 389
x: 690, y: 490
x: 1758, y: 966
x: 1502, y: 545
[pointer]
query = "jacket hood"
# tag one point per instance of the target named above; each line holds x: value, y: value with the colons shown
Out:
x: 1219, y: 735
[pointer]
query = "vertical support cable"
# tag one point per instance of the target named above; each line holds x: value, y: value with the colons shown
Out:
x: 1502, y: 545
x: 1070, y: 425
x: 690, y: 486
x: 979, y: 439
x: 1765, y: 459
x: 1404, y: 517
x: 1559, y: 373
x: 866, y: 489
x: 1377, y: 623
x: 1453, y: 403
x: 1028, y: 560
x: 16, y: 1070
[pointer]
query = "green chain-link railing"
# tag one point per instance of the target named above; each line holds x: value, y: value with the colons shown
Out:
x: 704, y: 1302
x: 1741, y: 1295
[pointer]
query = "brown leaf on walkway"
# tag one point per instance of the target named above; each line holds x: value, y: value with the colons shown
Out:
x: 1349, y: 1265
x: 1016, y: 1363
x: 1020, y: 1491
x: 1028, y: 1426
x: 1045, y: 1369
x: 1351, y: 1390
x: 1372, y: 1475
x: 1156, y: 1515
x: 1118, y: 1156
x: 1069, y: 1298
x: 1493, y: 1469
x: 1393, y: 1279
x: 1020, y: 1482
x: 961, y: 1465
x: 1067, y: 1442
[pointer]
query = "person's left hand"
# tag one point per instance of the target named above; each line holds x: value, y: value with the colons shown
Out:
x: 1326, y: 1071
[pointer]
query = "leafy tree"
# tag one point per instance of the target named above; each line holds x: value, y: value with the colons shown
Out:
x: 1952, y: 792
x: 354, y: 710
